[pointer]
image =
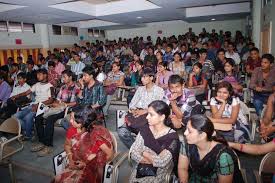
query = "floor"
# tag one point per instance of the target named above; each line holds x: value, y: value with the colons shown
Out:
x: 29, y: 168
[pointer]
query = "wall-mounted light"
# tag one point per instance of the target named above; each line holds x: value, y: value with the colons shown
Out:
x: 139, y: 17
x: 213, y: 19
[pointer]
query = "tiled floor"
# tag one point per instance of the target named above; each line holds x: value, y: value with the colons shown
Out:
x: 31, y: 169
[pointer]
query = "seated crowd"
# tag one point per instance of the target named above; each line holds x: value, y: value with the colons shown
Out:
x: 169, y: 86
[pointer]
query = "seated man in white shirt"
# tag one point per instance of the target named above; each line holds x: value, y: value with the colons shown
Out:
x: 12, y: 103
x: 144, y: 95
x: 232, y: 54
x: 78, y: 66
x: 43, y: 91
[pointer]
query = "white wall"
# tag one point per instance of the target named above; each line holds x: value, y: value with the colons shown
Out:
x: 29, y: 40
x: 177, y: 27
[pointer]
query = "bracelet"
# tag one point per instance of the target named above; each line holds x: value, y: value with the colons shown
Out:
x: 241, y: 148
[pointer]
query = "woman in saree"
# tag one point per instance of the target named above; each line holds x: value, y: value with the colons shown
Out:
x: 88, y: 146
x: 156, y: 147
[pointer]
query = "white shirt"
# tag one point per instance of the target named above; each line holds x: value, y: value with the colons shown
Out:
x: 19, y: 89
x: 143, y: 97
x: 235, y: 56
x: 143, y: 54
x: 77, y: 68
x: 42, y: 91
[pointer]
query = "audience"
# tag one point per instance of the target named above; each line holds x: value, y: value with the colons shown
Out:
x: 183, y: 71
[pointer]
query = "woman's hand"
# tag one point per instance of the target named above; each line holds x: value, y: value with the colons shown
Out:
x: 145, y: 161
x: 147, y: 156
x: 220, y: 100
x: 266, y: 130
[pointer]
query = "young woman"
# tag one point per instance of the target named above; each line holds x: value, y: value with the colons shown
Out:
x: 163, y: 75
x: 88, y: 146
x: 226, y: 109
x: 231, y: 77
x: 203, y: 158
x: 156, y: 146
x: 136, y: 75
x: 198, y: 82
x: 159, y: 56
x: 132, y: 64
x: 177, y: 66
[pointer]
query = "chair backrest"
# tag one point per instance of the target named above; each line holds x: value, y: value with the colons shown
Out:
x: 11, y: 125
x: 114, y: 142
x: 267, y: 164
x: 245, y: 110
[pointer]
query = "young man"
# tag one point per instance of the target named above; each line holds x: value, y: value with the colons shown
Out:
x: 43, y: 92
x: 78, y: 66
x: 262, y: 81
x: 182, y: 101
x: 168, y: 55
x: 207, y: 65
x: 144, y: 95
x: 253, y: 61
x: 13, y: 104
x: 21, y: 65
x: 5, y: 89
x: 65, y: 98
x: 232, y: 54
x: 13, y: 74
x: 31, y: 73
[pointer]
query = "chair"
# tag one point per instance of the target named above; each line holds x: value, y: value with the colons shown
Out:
x: 243, y: 172
x: 267, y: 165
x: 247, y: 113
x: 12, y: 145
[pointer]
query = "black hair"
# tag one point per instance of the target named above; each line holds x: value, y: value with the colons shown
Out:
x: 42, y: 71
x: 2, y: 76
x: 220, y: 50
x: 230, y: 61
x: 86, y: 116
x: 254, y: 49
x: 170, y: 46
x: 202, y: 51
x: 203, y: 124
x: 51, y: 63
x: 68, y: 72
x: 20, y: 58
x: 22, y: 75
x: 42, y: 58
x: 228, y: 86
x: 174, y: 79
x: 15, y: 65
x: 177, y: 53
x: 269, y: 57
x: 31, y: 62
x: 140, y: 62
x: 91, y: 71
x: 161, y: 108
x: 199, y: 65
x: 148, y: 72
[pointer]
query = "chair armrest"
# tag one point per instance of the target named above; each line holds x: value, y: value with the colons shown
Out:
x: 257, y: 176
x: 169, y: 174
x: 243, y: 171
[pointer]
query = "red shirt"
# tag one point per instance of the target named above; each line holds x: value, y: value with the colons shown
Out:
x: 253, y: 63
x: 71, y: 132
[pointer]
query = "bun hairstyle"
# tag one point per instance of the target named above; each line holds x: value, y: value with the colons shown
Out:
x: 161, y: 108
x: 203, y: 124
x: 86, y: 116
x: 228, y: 86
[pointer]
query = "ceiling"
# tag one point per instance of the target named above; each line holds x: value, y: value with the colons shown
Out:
x: 115, y: 14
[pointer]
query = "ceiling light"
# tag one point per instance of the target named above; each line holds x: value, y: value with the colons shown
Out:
x: 139, y: 17
x: 213, y: 19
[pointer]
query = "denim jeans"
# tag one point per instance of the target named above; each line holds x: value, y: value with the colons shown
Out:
x: 125, y: 136
x: 259, y: 100
x: 26, y: 118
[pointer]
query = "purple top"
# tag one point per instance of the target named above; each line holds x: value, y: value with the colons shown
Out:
x: 5, y: 91
x: 163, y: 79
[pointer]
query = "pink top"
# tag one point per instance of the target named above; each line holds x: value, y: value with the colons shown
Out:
x: 59, y: 68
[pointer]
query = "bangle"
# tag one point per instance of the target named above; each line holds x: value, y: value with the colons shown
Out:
x: 241, y: 148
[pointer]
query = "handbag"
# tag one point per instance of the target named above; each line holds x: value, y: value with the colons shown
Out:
x: 54, y: 110
x: 110, y: 89
x: 144, y: 170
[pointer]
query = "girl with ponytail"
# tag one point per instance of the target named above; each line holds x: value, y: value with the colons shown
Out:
x: 204, y: 157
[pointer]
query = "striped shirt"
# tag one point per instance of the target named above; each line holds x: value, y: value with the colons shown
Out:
x: 77, y: 68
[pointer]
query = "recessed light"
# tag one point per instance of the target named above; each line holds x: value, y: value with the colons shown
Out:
x: 213, y: 19
x: 139, y: 17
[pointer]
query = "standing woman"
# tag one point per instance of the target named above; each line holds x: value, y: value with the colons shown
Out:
x: 177, y: 66
x: 225, y: 109
x: 156, y: 147
x: 163, y: 75
x: 204, y: 158
x: 88, y: 146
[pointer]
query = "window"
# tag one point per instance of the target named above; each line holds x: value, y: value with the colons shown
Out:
x: 90, y: 33
x: 56, y: 29
x: 102, y: 33
x: 3, y: 26
x: 70, y: 31
x: 28, y: 27
x: 96, y: 33
x: 15, y: 26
